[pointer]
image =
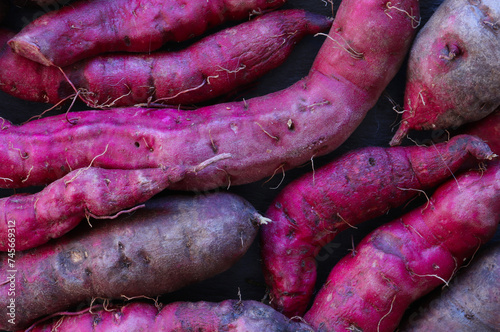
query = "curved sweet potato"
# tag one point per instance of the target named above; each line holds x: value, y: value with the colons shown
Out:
x: 229, y: 315
x: 471, y: 302
x: 88, y: 28
x: 405, y: 259
x: 358, y: 186
x: 215, y: 65
x: 452, y: 75
x: 366, y: 46
x: 172, y: 242
x: 87, y: 192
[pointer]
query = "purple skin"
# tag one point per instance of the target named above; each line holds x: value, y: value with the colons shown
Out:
x: 405, y: 259
x: 262, y: 135
x: 214, y: 66
x: 172, y: 242
x: 470, y: 303
x: 83, y: 30
x: 356, y: 187
x: 452, y: 74
x: 86, y: 192
x: 228, y: 315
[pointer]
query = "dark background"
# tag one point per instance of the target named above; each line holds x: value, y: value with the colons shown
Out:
x: 245, y: 278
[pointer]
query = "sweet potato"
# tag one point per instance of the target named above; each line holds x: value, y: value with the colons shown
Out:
x: 229, y: 315
x: 361, y: 185
x: 88, y: 28
x: 170, y: 243
x: 470, y: 303
x: 366, y: 46
x: 209, y: 68
x: 32, y: 220
x: 488, y: 129
x: 405, y: 259
x: 452, y: 75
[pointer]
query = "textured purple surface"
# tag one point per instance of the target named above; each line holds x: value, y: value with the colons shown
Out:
x: 377, y: 129
x: 405, y: 259
x: 359, y: 186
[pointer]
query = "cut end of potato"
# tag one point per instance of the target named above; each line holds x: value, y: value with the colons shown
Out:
x: 29, y: 50
x: 261, y: 220
x: 400, y: 133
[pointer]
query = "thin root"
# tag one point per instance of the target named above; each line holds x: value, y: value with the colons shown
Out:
x: 36, y: 117
x: 266, y: 132
x: 313, y: 170
x: 353, y: 250
x: 353, y: 53
x: 23, y: 155
x: 73, y: 121
x: 387, y: 314
x: 181, y: 92
x: 415, y: 22
x: 241, y: 67
x: 90, y: 214
x: 415, y: 142
x: 338, y: 215
x: 28, y: 176
x: 155, y: 300
x: 210, y: 161
x: 447, y: 167
x: 89, y: 166
x: 435, y: 276
x: 228, y: 177
x: 63, y: 314
x: 3, y: 127
x: 282, y: 167
x: 421, y: 191
x: 214, y: 147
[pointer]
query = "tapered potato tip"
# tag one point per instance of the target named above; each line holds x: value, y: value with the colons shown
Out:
x: 28, y: 49
x: 400, y: 134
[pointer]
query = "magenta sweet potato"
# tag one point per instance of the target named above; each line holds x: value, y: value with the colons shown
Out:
x: 214, y: 66
x: 355, y: 187
x: 28, y: 221
x: 229, y: 315
x: 88, y: 28
x: 405, y: 259
x: 452, y: 75
x: 170, y: 243
x: 366, y: 46
x: 470, y: 303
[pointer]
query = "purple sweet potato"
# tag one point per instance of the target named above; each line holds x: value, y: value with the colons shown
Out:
x: 214, y: 66
x: 281, y: 130
x: 405, y: 259
x: 88, y: 28
x: 356, y: 187
x: 452, y: 75
x: 229, y: 315
x: 470, y: 303
x: 172, y: 242
x: 28, y: 221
